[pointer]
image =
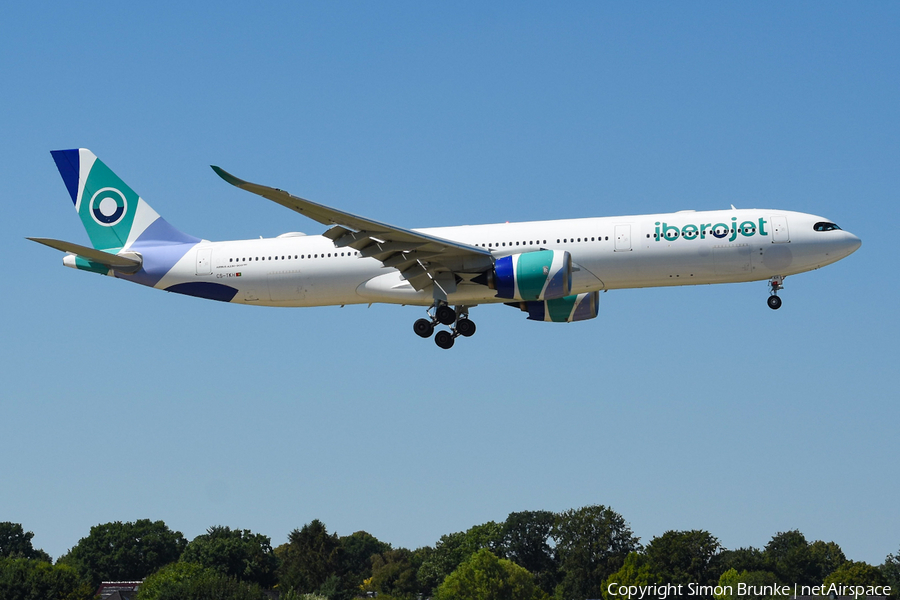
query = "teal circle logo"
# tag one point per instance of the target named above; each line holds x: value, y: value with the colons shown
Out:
x: 108, y: 207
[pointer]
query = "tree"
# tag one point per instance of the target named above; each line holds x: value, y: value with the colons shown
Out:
x: 682, y: 557
x: 787, y: 555
x: 526, y: 542
x: 741, y: 559
x: 125, y: 551
x: 856, y: 573
x: 755, y: 580
x: 827, y: 557
x: 891, y: 572
x: 454, y: 548
x: 30, y: 579
x: 592, y: 543
x: 484, y: 576
x: 394, y: 573
x: 238, y: 553
x: 358, y: 550
x: 793, y: 560
x: 188, y: 580
x: 635, y: 571
x: 15, y: 542
x: 310, y: 558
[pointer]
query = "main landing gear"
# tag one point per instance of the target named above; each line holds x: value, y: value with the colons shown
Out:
x: 774, y: 301
x: 445, y: 315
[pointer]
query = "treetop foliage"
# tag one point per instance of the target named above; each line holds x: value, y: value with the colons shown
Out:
x: 310, y: 558
x: 237, y: 553
x: 856, y: 573
x: 34, y: 579
x: 125, y: 551
x: 592, y: 543
x: 188, y: 580
x: 794, y: 560
x: 15, y: 542
x: 684, y: 557
x: 532, y: 555
x: 483, y: 576
x: 891, y: 572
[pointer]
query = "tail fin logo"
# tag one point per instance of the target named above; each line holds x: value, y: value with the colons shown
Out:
x: 108, y: 206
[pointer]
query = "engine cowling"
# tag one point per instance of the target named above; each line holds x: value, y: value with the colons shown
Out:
x: 539, y: 275
x: 577, y: 307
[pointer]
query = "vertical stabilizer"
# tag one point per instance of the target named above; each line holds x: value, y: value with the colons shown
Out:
x: 113, y: 215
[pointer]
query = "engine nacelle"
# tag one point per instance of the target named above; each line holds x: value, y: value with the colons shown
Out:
x: 539, y: 275
x: 577, y: 307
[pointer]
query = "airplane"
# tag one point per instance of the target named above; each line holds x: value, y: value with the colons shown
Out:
x: 552, y: 270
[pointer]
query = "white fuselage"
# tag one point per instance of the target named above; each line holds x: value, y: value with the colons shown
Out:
x: 683, y: 248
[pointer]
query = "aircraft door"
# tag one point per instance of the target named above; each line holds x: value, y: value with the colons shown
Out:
x: 623, y: 238
x: 780, y: 233
x: 204, y: 264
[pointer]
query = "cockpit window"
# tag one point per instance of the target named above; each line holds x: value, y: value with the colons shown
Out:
x: 825, y: 226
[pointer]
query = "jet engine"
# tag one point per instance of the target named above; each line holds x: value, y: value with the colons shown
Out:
x: 539, y: 275
x: 577, y: 307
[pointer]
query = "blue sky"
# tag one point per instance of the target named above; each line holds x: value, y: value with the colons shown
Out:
x: 689, y: 408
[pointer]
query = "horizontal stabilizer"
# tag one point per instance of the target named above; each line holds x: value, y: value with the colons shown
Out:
x: 125, y: 264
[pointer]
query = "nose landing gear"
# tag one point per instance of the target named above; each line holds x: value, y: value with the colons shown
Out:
x: 774, y: 301
x: 445, y: 315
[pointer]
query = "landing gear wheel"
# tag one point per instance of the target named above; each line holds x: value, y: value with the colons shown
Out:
x: 465, y: 327
x: 445, y: 315
x: 774, y: 302
x: 423, y: 328
x: 444, y: 339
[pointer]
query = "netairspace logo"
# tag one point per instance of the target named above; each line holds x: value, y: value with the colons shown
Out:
x: 661, y: 591
x: 670, y: 233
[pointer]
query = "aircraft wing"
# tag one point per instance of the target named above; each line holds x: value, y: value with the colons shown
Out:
x: 422, y: 259
x: 127, y: 264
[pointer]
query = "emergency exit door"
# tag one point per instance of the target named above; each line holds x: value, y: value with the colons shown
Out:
x: 623, y: 238
x: 780, y: 233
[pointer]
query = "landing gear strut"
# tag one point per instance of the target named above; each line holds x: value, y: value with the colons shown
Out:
x: 774, y: 301
x: 443, y: 314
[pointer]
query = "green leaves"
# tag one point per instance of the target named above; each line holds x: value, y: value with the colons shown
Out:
x: 15, y: 542
x: 125, y: 551
x: 189, y: 580
x: 592, y: 543
x: 31, y: 579
x: 237, y: 553
x: 483, y: 576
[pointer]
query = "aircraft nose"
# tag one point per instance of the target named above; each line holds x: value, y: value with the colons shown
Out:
x: 851, y: 243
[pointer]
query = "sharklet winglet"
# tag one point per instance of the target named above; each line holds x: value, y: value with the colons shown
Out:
x: 235, y: 181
